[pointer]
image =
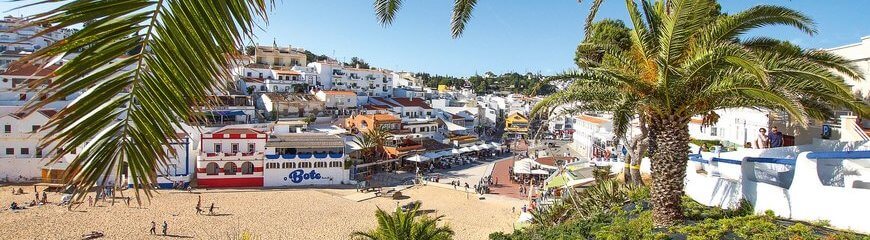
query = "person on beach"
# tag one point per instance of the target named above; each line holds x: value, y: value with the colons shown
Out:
x: 199, y: 205
x: 153, y: 228
x: 44, y: 197
x: 165, y: 227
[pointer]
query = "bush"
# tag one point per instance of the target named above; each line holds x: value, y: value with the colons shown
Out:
x: 627, y: 228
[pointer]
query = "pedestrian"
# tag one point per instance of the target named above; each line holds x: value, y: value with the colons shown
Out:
x: 211, y: 209
x: 762, y: 141
x: 90, y: 201
x: 153, y: 228
x: 44, y: 197
x: 775, y: 137
x: 36, y: 194
x: 524, y: 208
x: 199, y: 205
x: 165, y: 227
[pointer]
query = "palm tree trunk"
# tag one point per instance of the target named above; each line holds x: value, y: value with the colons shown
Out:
x: 671, y: 134
x: 635, y: 171
x: 626, y: 172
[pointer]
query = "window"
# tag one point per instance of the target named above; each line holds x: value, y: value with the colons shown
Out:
x: 713, y: 131
x: 335, y: 164
x: 7, y: 128
x: 38, y: 152
x: 217, y: 147
x: 247, y: 168
x: 320, y: 164
x: 10, y: 151
x: 230, y: 168
x: 304, y: 165
x: 35, y: 128
x: 271, y: 165
x: 252, y: 147
x: 22, y: 96
x: 288, y: 165
x: 211, y: 169
x: 249, y: 74
x: 280, y: 77
x: 261, y: 75
x: 234, y: 147
x: 25, y: 151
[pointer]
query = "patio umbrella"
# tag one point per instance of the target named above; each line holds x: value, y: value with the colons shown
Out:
x: 474, y: 148
x: 484, y: 146
x: 540, y: 172
x: 456, y: 151
x: 464, y: 150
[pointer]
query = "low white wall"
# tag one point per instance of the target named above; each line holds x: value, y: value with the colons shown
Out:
x: 805, y: 199
x: 20, y: 169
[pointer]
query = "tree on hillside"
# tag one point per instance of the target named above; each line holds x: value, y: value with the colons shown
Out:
x: 358, y: 62
x: 687, y: 59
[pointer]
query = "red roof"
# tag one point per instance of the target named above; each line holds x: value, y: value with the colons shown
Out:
x: 334, y: 92
x: 375, y: 107
x: 413, y: 102
x: 238, y: 131
x: 27, y: 69
x: 552, y: 160
x: 252, y: 80
x: 45, y: 112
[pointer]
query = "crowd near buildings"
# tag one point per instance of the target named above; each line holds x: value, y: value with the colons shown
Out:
x: 287, y: 121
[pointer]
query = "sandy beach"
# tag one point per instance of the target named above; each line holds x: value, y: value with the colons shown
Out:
x: 268, y: 214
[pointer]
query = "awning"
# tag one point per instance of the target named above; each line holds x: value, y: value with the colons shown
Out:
x: 454, y: 127
x: 464, y: 150
x: 417, y: 158
x: 540, y: 172
x: 484, y: 146
x: 474, y: 148
x: 227, y: 113
x: 433, y: 154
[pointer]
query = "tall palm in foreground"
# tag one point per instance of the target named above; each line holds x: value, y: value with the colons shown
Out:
x: 406, y: 225
x: 146, y: 67
x: 686, y: 59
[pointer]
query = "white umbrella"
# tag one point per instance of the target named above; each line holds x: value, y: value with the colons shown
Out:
x: 456, y: 151
x: 464, y: 150
x: 540, y: 172
x: 484, y: 146
x: 474, y: 148
x: 433, y: 154
x: 417, y: 158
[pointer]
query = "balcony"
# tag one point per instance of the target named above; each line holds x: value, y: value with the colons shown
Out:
x: 231, y: 156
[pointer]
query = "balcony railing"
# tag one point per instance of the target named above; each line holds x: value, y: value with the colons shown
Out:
x: 231, y: 156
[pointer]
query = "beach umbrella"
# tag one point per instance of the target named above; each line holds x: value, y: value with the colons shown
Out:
x: 474, y: 148
x: 465, y: 150
x: 484, y: 146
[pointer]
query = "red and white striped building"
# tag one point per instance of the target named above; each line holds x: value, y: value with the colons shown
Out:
x: 231, y: 157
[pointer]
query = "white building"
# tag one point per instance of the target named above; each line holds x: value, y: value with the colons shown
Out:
x: 231, y: 157
x: 859, y: 55
x: 406, y: 108
x: 21, y: 156
x: 561, y: 127
x: 368, y: 82
x: 298, y: 159
x: 592, y: 135
x: 338, y: 102
x: 13, y: 36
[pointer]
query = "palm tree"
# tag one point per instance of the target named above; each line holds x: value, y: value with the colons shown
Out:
x: 145, y: 67
x: 372, y: 142
x: 686, y: 59
x: 405, y: 225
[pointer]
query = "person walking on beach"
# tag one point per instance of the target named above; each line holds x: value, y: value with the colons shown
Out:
x: 165, y: 227
x: 199, y: 205
x: 153, y: 228
x: 44, y: 197
x: 90, y: 201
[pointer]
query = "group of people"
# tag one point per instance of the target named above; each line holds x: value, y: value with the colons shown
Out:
x: 36, y: 201
x: 154, y: 228
x: 199, y: 207
x: 766, y: 139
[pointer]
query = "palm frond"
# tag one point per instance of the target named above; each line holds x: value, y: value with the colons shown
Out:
x: 462, y: 10
x: 133, y: 105
x: 386, y: 10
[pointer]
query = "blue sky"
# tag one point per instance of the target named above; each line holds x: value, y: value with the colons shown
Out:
x: 504, y: 35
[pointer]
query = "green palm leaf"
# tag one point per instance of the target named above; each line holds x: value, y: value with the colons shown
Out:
x: 146, y: 68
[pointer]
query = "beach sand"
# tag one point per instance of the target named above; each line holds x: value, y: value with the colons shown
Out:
x: 265, y: 213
